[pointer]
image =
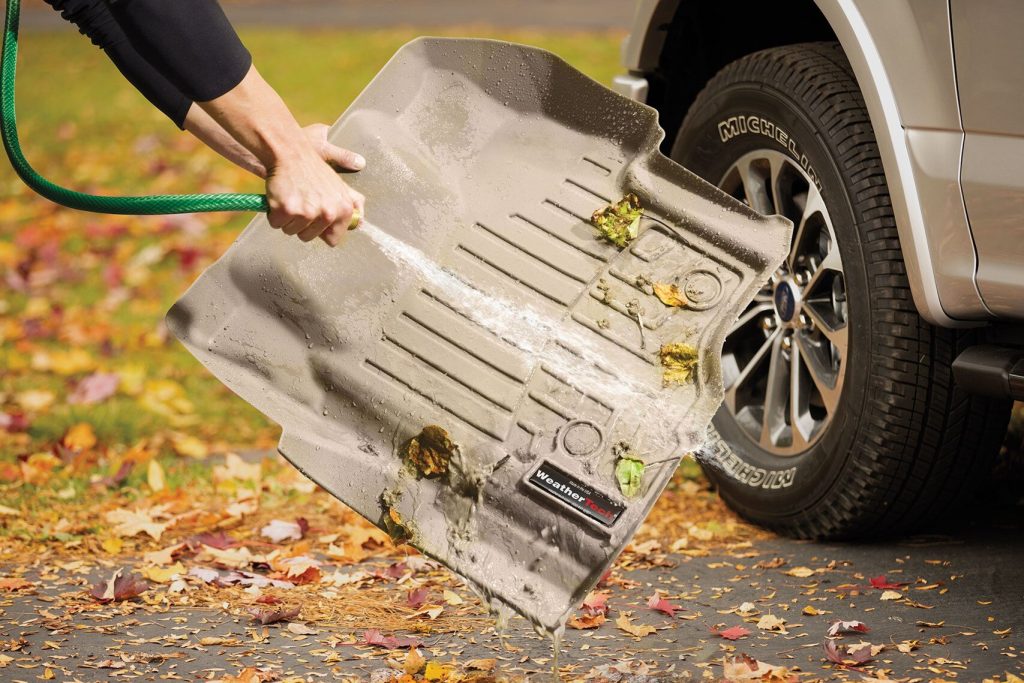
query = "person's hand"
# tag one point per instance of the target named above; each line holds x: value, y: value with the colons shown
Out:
x: 340, y: 159
x: 308, y: 199
x: 305, y: 195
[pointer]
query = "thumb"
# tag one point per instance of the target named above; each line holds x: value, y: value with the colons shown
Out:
x: 342, y: 158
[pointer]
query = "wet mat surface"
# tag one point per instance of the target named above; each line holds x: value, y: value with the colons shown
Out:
x: 480, y: 300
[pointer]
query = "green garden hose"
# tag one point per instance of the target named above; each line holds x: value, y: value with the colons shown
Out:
x: 156, y: 204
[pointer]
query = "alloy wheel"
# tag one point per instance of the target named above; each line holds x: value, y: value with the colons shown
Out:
x: 785, y: 358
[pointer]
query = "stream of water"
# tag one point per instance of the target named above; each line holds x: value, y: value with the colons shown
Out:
x: 574, y: 353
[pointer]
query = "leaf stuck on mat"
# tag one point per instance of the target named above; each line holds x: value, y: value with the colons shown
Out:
x: 619, y: 223
x: 669, y: 294
x: 430, y: 450
x: 678, y: 362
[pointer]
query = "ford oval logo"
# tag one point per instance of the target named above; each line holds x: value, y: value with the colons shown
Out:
x: 785, y: 301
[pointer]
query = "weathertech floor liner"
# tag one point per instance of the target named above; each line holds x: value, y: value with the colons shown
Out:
x: 480, y: 299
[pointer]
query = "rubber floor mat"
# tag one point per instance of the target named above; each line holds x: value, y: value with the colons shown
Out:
x: 476, y: 370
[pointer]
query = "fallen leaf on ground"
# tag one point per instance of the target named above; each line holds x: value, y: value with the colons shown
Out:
x: 14, y: 584
x: 249, y: 674
x: 414, y: 662
x: 236, y: 469
x: 79, y: 438
x: 800, y: 572
x: 485, y: 665
x: 436, y: 671
x: 167, y: 398
x: 155, y: 476
x: 301, y: 629
x: 746, y: 668
x: 908, y: 646
x: 770, y: 622
x: 164, y: 574
x: 930, y: 624
x: 129, y: 523
x: 731, y: 633
x: 279, y: 530
x: 846, y: 659
x: 35, y: 400
x: 839, y: 627
x: 189, y: 446
x: 587, y: 620
x: 13, y: 422
x: 660, y: 604
x: 375, y: 637
x: 121, y: 586
x: 891, y: 595
x: 882, y: 583
x: 266, y: 616
x: 636, y: 630
x: 217, y: 539
x: 596, y: 602
x: 160, y: 558
x: 95, y: 388
x: 418, y: 597
x: 230, y: 558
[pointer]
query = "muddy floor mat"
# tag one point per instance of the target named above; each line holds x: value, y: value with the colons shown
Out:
x: 486, y: 369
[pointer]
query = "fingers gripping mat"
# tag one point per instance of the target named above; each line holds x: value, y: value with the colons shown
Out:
x: 475, y: 370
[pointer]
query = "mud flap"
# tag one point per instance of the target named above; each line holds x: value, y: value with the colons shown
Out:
x: 488, y: 159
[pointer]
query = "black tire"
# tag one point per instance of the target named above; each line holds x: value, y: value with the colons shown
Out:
x: 905, y: 443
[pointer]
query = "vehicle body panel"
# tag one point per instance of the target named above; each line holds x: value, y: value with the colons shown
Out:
x: 901, y: 52
x: 990, y: 78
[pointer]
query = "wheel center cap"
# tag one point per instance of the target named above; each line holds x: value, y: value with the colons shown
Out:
x: 787, y: 300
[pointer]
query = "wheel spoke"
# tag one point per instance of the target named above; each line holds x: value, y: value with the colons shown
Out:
x: 814, y: 205
x: 838, y: 335
x: 831, y: 263
x: 797, y: 400
x: 774, y: 419
x: 828, y: 387
x: 775, y: 165
x: 748, y: 370
x: 751, y: 313
x: 754, y: 188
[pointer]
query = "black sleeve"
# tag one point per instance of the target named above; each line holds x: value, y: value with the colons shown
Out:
x: 190, y: 42
x: 95, y: 21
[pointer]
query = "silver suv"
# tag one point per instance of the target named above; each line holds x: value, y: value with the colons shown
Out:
x: 868, y: 386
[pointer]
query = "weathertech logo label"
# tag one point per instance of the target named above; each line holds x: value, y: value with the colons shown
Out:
x: 576, y: 494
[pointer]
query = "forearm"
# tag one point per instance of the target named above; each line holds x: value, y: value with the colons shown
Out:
x: 211, y: 133
x: 255, y: 115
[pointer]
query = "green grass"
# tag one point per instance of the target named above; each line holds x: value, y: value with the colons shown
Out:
x: 83, y: 126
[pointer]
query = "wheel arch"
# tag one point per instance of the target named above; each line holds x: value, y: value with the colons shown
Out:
x: 678, y: 45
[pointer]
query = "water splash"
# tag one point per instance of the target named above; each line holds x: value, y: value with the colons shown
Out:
x: 545, y: 338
